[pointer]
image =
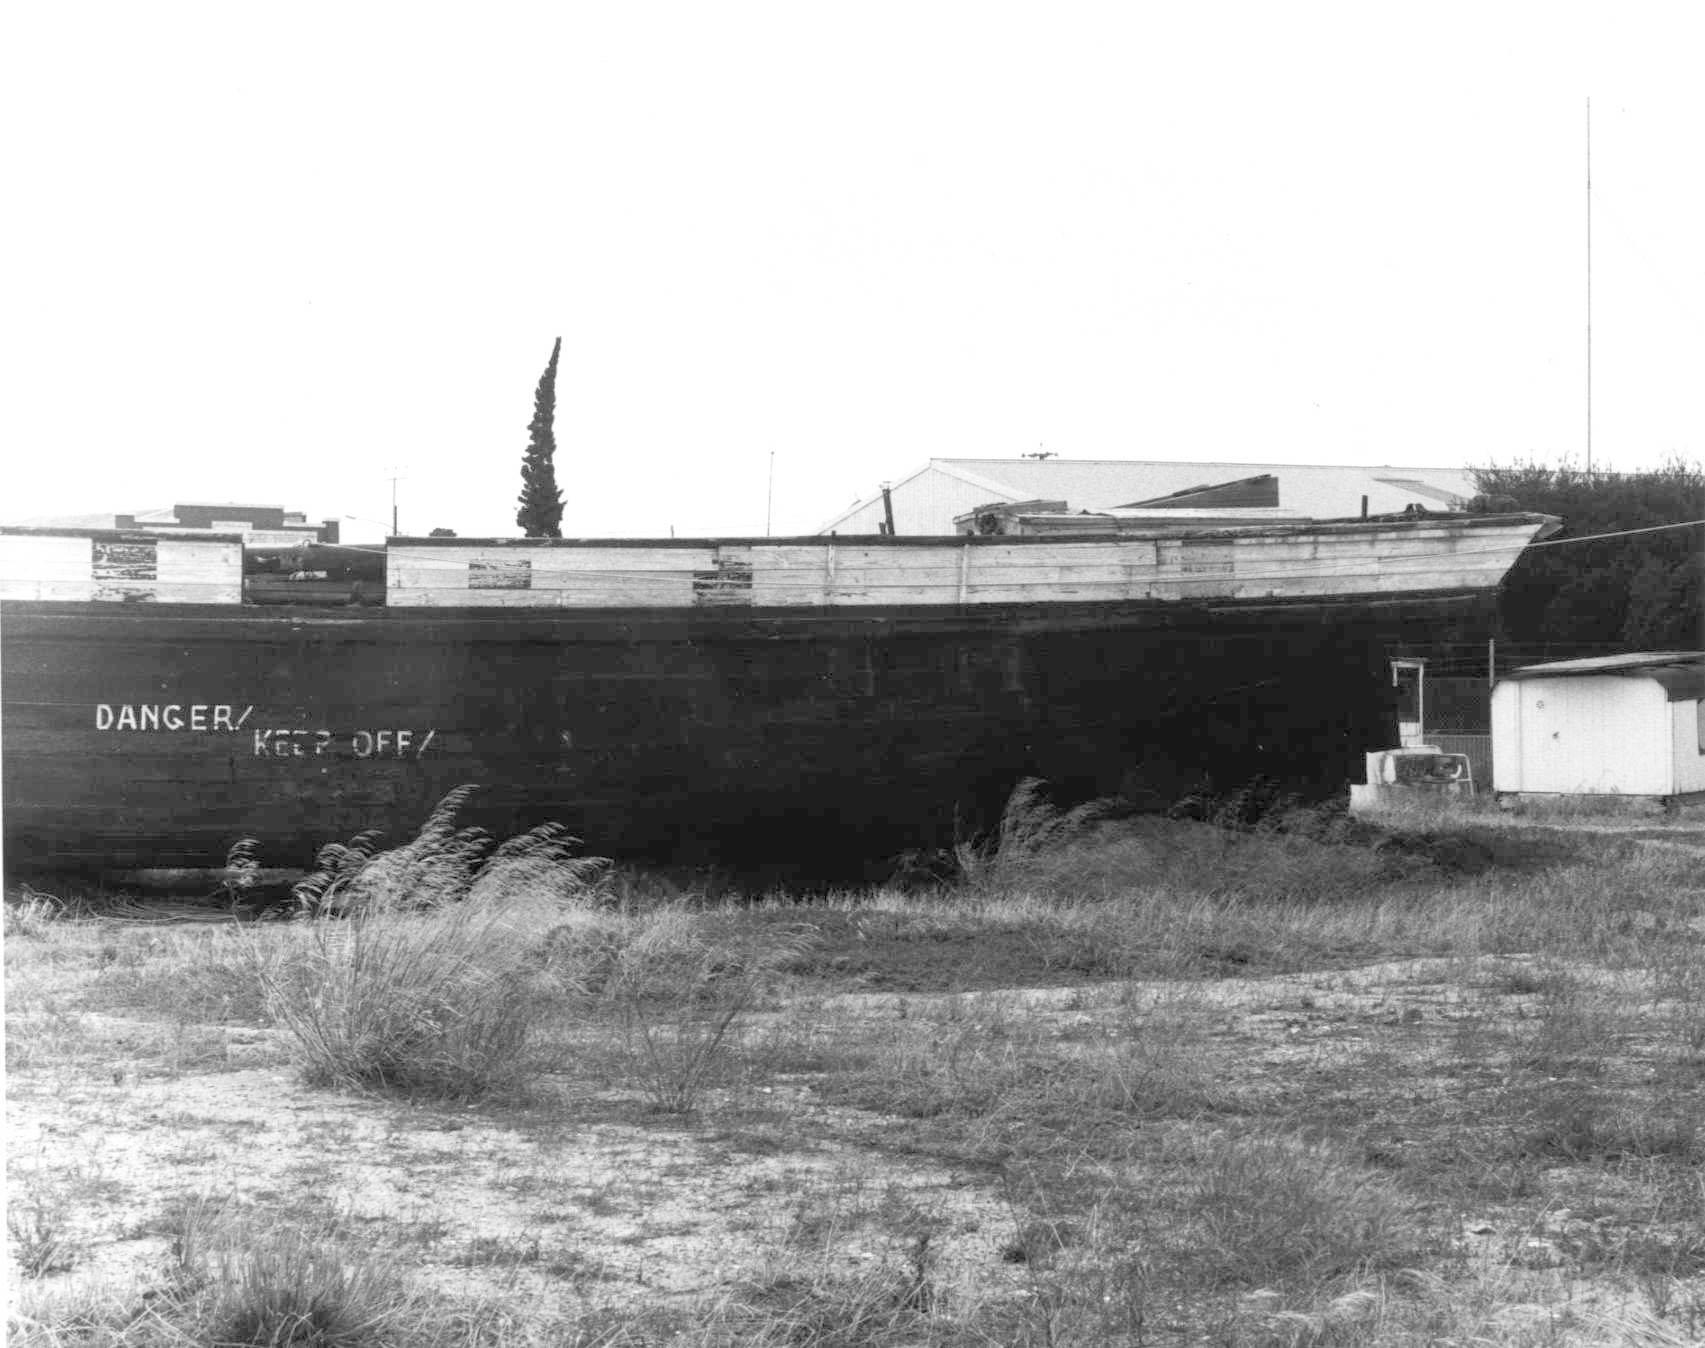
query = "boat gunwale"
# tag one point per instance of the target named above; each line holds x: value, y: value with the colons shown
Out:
x: 1372, y: 525
x: 126, y: 535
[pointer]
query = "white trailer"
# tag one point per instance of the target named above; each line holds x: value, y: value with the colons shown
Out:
x: 1619, y: 725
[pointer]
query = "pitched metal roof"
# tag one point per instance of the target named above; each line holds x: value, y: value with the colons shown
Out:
x: 1250, y: 492
x: 1682, y: 673
x: 1319, y: 491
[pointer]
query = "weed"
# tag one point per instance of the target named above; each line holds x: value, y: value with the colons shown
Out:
x: 194, y: 1228
x: 38, y: 1225
x: 1567, y: 1121
x: 1269, y: 1207
x: 29, y: 914
x: 676, y: 995
x: 893, y: 1298
x: 242, y: 871
x: 500, y: 1251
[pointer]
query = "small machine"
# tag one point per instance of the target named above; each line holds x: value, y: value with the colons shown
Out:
x: 1421, y: 772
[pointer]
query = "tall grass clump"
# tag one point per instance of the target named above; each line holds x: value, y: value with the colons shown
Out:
x: 413, y: 1001
x: 1031, y: 831
x: 288, y: 1287
x: 420, y: 970
x: 30, y: 914
x: 1236, y: 850
x: 445, y: 863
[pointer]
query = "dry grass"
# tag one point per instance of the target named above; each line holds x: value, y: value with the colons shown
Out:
x: 1289, y: 1083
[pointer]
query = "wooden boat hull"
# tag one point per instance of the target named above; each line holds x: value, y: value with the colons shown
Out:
x: 799, y: 744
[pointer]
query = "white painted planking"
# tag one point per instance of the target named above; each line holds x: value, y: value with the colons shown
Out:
x: 44, y: 567
x: 192, y: 571
x: 830, y: 573
x: 567, y: 577
x: 62, y: 567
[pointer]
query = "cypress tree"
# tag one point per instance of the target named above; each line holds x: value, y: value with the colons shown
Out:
x: 540, y: 515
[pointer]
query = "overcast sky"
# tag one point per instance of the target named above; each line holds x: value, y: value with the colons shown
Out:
x: 279, y: 254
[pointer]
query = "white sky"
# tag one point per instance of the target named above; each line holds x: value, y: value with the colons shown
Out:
x: 277, y: 253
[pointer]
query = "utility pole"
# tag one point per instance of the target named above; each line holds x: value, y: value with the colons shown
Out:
x: 396, y: 477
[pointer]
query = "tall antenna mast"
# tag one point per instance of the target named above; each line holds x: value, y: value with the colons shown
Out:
x: 1589, y: 289
x: 770, y: 495
x: 395, y: 472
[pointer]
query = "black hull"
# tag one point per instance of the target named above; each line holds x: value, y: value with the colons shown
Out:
x: 809, y: 745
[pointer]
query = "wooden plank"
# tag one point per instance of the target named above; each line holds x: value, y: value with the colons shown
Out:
x: 36, y: 567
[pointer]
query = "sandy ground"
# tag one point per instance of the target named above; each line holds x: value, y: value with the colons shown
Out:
x: 592, y: 1203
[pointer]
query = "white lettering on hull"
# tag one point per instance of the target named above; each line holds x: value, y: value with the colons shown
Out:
x: 222, y: 717
x: 390, y: 742
x: 286, y: 742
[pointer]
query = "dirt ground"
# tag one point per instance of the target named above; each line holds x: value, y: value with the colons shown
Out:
x: 588, y: 1202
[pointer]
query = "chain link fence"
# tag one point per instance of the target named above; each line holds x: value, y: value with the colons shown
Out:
x: 1457, y: 715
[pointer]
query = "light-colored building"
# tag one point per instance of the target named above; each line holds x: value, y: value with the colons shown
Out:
x: 931, y: 499
x: 1622, y: 725
x: 259, y: 525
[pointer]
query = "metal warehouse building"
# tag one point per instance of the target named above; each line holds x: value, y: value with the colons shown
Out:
x: 1626, y: 725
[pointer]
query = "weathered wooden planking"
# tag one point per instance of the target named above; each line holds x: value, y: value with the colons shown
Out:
x: 1395, y: 558
x: 499, y: 576
x: 119, y: 567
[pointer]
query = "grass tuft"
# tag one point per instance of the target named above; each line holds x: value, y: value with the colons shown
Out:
x: 437, y: 1002
x: 445, y: 863
x: 1271, y: 1207
x: 30, y: 914
x: 41, y: 1243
